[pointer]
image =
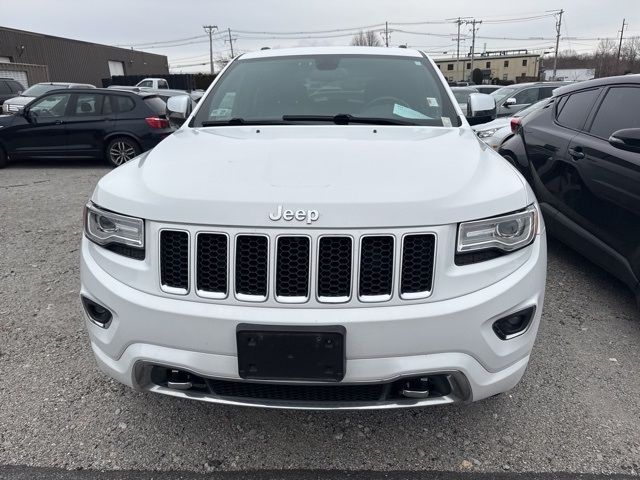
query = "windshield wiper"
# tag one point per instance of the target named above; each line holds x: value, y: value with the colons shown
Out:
x: 345, y: 119
x: 241, y: 121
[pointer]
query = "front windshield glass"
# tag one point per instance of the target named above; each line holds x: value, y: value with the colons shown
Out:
x: 398, y: 89
x: 39, y: 89
x: 462, y: 94
x: 502, y: 93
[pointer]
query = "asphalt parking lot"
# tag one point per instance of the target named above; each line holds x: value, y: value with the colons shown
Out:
x: 577, y: 409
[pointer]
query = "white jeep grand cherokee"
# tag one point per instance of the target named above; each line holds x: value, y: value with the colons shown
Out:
x: 325, y: 231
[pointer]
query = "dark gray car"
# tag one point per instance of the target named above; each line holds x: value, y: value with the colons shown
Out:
x: 515, y: 97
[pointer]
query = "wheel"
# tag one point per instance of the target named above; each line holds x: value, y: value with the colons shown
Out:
x: 3, y: 158
x: 122, y: 149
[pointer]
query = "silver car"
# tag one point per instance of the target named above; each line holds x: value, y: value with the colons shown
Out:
x: 16, y: 104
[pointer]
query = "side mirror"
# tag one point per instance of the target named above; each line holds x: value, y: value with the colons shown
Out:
x: 480, y: 108
x: 510, y: 101
x: 626, y: 139
x: 178, y: 108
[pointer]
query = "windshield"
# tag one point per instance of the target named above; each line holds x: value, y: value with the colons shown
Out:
x: 462, y: 94
x: 504, y: 92
x: 40, y: 89
x: 392, y: 89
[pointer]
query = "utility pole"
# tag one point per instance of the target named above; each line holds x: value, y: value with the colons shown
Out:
x: 209, y: 29
x: 231, y: 40
x: 621, y: 36
x: 459, y: 22
x: 386, y: 33
x: 555, y: 57
x: 473, y: 39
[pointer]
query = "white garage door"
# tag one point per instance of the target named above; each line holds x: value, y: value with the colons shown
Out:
x: 116, y: 68
x: 20, y: 77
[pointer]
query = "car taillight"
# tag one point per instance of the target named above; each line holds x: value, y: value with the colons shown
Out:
x: 157, y: 122
x: 515, y: 123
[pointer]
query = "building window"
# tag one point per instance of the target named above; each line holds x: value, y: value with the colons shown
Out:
x: 524, y: 74
x: 450, y: 66
x: 504, y: 76
x: 488, y: 65
x: 506, y: 63
x: 451, y: 79
x: 468, y: 65
x: 524, y: 62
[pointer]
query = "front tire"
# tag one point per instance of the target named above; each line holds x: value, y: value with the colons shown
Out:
x: 120, y: 150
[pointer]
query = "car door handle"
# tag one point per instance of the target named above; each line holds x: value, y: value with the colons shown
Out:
x: 58, y: 122
x: 576, y: 153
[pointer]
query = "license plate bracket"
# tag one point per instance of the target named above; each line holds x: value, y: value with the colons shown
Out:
x: 296, y: 353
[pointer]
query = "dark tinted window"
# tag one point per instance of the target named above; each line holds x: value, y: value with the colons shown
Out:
x: 106, y: 107
x: 546, y: 92
x: 620, y: 109
x: 54, y: 105
x: 528, y: 96
x: 4, y: 87
x: 573, y: 111
x: 122, y: 104
x: 156, y: 104
x: 15, y: 86
x: 88, y: 104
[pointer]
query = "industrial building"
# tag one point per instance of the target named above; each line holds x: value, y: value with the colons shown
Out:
x: 30, y: 58
x: 503, y: 66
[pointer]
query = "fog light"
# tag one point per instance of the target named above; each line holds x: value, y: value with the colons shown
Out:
x: 98, y: 314
x: 513, y: 325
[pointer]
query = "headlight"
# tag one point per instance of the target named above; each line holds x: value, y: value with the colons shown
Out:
x: 486, y: 133
x: 13, y: 108
x: 502, y: 234
x: 118, y: 233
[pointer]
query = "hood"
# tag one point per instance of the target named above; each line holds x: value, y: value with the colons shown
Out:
x: 19, y: 100
x: 7, y: 120
x: 353, y: 176
x: 497, y: 123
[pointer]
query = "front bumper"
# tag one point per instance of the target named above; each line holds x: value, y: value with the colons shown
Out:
x: 452, y: 337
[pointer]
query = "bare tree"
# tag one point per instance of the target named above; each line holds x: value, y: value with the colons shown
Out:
x: 366, y: 39
x: 606, y: 58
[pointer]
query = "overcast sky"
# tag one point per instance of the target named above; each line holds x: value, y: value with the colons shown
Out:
x: 143, y: 24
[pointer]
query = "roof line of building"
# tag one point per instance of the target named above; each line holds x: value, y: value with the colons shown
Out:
x: 46, y: 35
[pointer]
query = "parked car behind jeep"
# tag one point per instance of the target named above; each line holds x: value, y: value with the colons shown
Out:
x: 581, y: 155
x: 512, y: 98
x: 80, y: 123
x: 16, y: 104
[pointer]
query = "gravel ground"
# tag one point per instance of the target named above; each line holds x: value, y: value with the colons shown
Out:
x: 576, y: 410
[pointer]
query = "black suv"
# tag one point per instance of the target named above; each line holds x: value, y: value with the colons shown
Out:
x: 81, y: 123
x: 9, y: 88
x: 581, y: 155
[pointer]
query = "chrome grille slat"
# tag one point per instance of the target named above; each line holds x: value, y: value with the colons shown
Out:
x: 335, y: 268
x: 252, y: 267
x: 376, y: 268
x: 293, y: 262
x: 174, y: 261
x: 235, y: 265
x: 212, y: 264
